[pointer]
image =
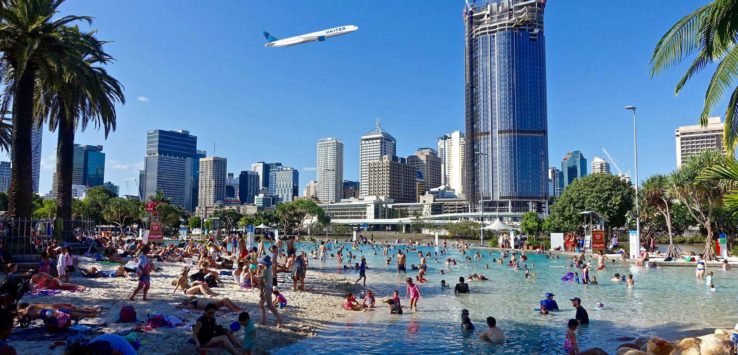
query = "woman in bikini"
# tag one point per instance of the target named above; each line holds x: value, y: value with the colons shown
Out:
x: 195, y: 303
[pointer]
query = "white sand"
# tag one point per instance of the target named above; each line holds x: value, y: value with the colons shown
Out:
x: 304, y: 315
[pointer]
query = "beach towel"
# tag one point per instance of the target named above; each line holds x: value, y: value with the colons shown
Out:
x: 41, y: 334
x: 44, y: 292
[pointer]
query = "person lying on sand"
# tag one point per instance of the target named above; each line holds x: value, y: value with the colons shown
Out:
x: 196, y: 288
x: 195, y: 303
x: 42, y: 280
x: 93, y: 272
x: 36, y: 311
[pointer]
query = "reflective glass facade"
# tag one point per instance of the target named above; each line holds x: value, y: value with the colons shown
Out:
x: 506, y: 133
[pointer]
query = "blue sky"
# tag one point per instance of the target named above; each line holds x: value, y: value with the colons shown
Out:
x: 205, y: 69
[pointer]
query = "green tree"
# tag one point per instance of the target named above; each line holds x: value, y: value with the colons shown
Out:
x: 120, y: 211
x: 170, y: 216
x: 95, y: 201
x: 229, y: 217
x: 3, y: 201
x: 531, y: 224
x: 291, y: 215
x: 605, y: 194
x: 84, y: 95
x: 701, y: 197
x: 463, y: 229
x: 194, y: 222
x: 710, y: 32
x: 656, y: 196
x: 33, y: 43
x: 47, y: 210
x: 681, y: 220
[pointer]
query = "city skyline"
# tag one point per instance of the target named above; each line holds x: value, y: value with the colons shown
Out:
x: 599, y: 82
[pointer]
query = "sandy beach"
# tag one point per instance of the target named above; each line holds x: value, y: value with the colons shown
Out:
x: 303, y: 317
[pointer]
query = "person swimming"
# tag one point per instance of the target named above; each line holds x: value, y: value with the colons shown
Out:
x: 466, y: 323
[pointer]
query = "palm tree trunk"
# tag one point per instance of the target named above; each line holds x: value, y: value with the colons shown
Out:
x: 20, y: 193
x: 64, y: 170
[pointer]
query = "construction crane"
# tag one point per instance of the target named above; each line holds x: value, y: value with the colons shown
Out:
x: 612, y: 161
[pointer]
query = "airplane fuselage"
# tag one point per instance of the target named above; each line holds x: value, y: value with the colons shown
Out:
x: 313, y: 36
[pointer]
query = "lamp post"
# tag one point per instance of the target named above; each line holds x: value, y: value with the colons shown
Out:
x: 481, y: 212
x: 635, y: 159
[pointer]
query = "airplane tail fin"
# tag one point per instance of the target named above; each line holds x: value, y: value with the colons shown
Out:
x: 269, y: 37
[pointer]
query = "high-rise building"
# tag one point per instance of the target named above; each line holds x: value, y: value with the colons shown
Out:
x: 199, y: 154
x: 692, y: 140
x: 112, y: 188
x: 248, y: 186
x: 170, y: 167
x: 4, y: 176
x: 88, y: 165
x: 36, y: 145
x: 311, y: 190
x: 141, y: 184
x: 555, y: 182
x: 231, y: 186
x: 428, y: 167
x: 286, y: 183
x: 451, y: 153
x: 573, y: 166
x: 212, y: 182
x: 264, y: 170
x: 330, y: 170
x: 392, y: 178
x: 600, y: 166
x: 374, y: 145
x: 506, y: 144
x: 350, y: 189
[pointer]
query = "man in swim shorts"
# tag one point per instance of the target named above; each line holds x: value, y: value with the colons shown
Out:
x: 401, y: 258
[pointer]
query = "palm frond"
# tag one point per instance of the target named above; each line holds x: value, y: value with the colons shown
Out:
x: 730, y: 127
x: 680, y: 41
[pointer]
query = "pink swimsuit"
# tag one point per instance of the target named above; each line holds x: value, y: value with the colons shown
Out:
x: 413, y: 291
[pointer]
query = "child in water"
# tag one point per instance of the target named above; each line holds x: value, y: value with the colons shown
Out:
x: 413, y: 293
x: 570, y: 342
x: 444, y: 284
x: 351, y: 304
x: 630, y: 281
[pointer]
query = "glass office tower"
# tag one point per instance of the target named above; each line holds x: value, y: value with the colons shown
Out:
x: 506, y: 152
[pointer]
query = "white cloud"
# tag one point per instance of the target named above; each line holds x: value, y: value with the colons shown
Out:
x: 143, y: 99
x: 311, y: 168
x: 48, y: 163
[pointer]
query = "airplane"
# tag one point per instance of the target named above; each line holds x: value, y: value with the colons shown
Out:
x: 319, y: 36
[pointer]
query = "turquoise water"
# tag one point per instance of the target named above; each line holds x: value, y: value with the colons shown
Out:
x: 667, y: 302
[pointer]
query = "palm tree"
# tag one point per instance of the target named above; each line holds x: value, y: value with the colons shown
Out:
x: 701, y: 197
x: 711, y: 32
x: 31, y: 41
x: 725, y: 173
x: 85, y: 94
x: 656, y: 195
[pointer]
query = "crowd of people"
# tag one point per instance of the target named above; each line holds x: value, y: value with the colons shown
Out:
x: 254, y: 265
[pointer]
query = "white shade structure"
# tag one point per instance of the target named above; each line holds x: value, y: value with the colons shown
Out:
x: 262, y: 226
x: 497, y: 225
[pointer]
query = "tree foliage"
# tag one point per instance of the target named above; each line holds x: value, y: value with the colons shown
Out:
x: 229, y: 218
x: 121, y: 211
x: 531, y: 224
x: 702, y: 197
x: 463, y: 229
x: 605, y: 194
x: 710, y: 32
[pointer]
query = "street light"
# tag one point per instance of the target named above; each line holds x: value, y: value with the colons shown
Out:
x: 635, y: 159
x: 481, y: 212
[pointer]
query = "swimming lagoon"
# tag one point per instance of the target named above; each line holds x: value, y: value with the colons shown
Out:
x: 667, y: 302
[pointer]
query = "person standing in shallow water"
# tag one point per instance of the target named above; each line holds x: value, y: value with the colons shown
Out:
x: 413, y: 293
x: 401, y: 258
